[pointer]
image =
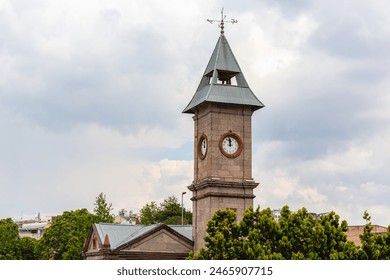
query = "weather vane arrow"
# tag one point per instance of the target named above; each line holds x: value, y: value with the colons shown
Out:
x: 222, y: 21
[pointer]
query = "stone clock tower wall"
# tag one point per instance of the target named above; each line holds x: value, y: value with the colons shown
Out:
x: 214, y: 120
x: 221, y: 182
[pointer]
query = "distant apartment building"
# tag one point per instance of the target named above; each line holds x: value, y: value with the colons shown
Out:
x: 34, y: 228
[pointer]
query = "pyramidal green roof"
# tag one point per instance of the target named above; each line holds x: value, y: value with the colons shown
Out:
x: 223, y: 81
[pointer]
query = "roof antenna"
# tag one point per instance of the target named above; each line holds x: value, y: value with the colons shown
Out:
x: 222, y: 21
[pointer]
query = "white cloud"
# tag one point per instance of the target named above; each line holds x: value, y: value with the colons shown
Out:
x: 270, y: 41
x: 353, y: 160
x: 91, y: 96
x: 313, y: 199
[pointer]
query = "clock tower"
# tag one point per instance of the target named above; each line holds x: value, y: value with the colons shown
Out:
x: 222, y: 108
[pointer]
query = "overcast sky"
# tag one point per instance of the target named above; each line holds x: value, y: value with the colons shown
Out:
x: 91, y: 95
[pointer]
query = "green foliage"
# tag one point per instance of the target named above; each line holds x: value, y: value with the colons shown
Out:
x: 64, y: 239
x: 103, y: 209
x: 11, y: 246
x: 148, y: 213
x: 297, y: 235
x: 168, y: 212
x: 259, y: 233
x: 27, y: 247
x: 169, y: 209
x: 223, y: 237
x: 374, y: 247
x: 306, y: 237
x: 9, y: 240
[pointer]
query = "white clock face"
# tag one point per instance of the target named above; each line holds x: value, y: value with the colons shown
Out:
x: 230, y: 145
x: 203, y: 146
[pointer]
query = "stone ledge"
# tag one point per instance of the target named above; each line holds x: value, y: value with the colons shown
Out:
x: 218, y: 188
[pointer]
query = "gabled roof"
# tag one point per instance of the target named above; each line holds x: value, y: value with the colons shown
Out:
x: 222, y: 67
x: 119, y: 234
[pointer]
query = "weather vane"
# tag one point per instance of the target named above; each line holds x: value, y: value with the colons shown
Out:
x: 222, y: 21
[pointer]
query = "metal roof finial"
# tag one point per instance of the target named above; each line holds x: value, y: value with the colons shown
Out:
x: 222, y: 22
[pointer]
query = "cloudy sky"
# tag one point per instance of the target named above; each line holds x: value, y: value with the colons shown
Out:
x: 91, y: 95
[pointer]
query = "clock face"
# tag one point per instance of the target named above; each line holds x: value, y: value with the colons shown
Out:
x: 202, y: 147
x: 230, y: 145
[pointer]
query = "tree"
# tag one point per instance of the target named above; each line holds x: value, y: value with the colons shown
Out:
x: 222, y: 238
x: 149, y: 213
x: 374, y: 247
x: 64, y: 239
x: 306, y: 237
x: 9, y: 240
x: 103, y: 209
x: 297, y: 235
x: 168, y: 212
x: 11, y: 246
x: 27, y: 247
